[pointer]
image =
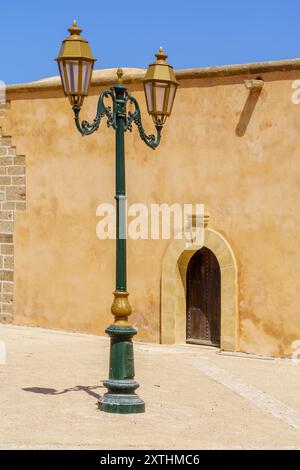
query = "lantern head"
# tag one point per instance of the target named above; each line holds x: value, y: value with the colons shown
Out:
x: 160, y: 88
x: 75, y: 63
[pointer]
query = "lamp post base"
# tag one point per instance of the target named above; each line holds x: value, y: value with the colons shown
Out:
x: 121, y: 403
x: 121, y: 397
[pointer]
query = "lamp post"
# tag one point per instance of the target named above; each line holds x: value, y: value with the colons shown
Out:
x: 76, y: 63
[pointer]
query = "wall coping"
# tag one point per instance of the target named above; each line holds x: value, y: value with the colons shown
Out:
x: 133, y: 75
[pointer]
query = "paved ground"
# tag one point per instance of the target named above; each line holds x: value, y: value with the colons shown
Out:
x: 196, y: 398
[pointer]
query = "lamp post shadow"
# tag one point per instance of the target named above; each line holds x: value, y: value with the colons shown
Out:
x: 78, y: 388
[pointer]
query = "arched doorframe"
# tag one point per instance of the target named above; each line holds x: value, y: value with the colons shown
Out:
x: 173, y: 289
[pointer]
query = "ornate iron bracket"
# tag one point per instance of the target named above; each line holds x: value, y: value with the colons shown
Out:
x: 135, y: 117
x: 111, y: 112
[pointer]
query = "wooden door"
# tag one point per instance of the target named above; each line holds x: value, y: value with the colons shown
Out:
x: 203, y: 299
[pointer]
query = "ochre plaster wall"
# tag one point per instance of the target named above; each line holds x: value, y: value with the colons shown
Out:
x: 237, y: 155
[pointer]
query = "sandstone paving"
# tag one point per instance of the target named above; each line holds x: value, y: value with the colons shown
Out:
x: 196, y: 398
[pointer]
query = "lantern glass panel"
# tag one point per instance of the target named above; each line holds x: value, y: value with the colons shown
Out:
x: 72, y: 67
x: 62, y: 75
x: 160, y: 93
x: 171, y: 97
x: 149, y: 96
x: 86, y: 75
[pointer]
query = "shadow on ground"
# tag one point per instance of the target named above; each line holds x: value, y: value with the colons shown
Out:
x: 79, y: 388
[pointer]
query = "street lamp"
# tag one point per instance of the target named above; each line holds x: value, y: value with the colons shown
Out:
x: 76, y: 63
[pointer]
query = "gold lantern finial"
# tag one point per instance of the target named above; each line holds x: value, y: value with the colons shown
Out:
x: 74, y: 30
x: 161, y: 54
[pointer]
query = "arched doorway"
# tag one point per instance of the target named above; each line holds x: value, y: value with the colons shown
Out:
x: 203, y: 299
x: 173, y: 289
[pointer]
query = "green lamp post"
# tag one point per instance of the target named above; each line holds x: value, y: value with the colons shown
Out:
x: 76, y: 63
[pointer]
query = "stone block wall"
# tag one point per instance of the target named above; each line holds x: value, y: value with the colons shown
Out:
x: 12, y: 199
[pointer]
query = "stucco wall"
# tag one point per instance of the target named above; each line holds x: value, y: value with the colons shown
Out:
x: 237, y: 155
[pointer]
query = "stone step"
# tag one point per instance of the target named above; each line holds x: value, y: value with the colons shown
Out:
x: 6, y: 141
x: 6, y: 318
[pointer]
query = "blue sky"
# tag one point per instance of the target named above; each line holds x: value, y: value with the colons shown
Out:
x: 195, y: 33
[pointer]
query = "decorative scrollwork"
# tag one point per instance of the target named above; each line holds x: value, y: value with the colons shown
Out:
x: 86, y: 128
x: 135, y: 117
